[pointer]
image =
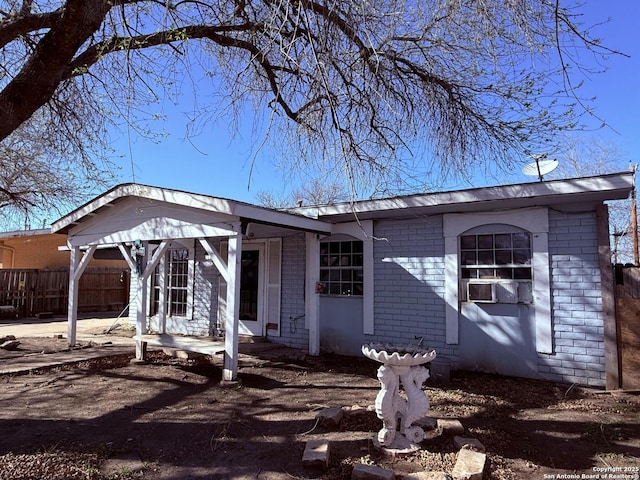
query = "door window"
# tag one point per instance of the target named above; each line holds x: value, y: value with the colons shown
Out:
x: 249, y: 285
x: 176, y: 275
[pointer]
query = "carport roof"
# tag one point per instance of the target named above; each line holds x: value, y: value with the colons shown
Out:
x: 241, y: 211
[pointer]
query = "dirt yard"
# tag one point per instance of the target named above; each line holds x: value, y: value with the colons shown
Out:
x: 172, y: 419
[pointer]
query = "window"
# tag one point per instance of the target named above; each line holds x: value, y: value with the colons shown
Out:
x: 496, y: 267
x: 176, y: 272
x: 341, y: 268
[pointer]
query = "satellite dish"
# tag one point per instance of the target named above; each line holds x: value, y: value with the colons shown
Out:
x: 539, y: 168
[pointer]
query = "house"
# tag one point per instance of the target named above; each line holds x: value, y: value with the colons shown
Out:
x: 513, y: 279
x: 39, y: 249
x: 34, y: 275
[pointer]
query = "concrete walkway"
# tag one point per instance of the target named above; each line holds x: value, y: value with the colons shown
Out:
x: 39, y: 361
x: 92, y: 329
x: 88, y: 329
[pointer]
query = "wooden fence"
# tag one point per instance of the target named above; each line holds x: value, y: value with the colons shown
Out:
x: 34, y: 291
x: 628, y: 324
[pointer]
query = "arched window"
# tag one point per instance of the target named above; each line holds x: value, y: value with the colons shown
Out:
x: 496, y: 265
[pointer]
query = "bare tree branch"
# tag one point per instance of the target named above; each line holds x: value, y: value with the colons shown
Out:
x: 357, y: 87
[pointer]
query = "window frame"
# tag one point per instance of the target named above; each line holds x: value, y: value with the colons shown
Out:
x: 342, y: 268
x: 496, y: 266
x: 166, y: 268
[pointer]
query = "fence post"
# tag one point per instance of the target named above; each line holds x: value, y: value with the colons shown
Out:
x: 607, y: 282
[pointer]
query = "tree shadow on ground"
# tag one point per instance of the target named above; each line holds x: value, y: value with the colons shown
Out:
x: 183, y: 423
x: 550, y: 425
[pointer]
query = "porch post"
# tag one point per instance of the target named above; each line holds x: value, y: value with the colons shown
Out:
x: 78, y: 264
x: 312, y: 298
x: 141, y: 309
x: 146, y: 268
x: 72, y: 311
x: 232, y: 320
x: 162, y: 297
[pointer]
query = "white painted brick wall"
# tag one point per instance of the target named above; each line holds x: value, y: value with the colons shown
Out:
x: 409, y: 293
x: 204, y: 314
x: 409, y: 283
x: 292, y: 322
x: 205, y: 301
x: 577, y: 301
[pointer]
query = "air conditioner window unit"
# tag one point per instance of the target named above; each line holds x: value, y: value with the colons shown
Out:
x: 507, y: 292
x: 481, y: 292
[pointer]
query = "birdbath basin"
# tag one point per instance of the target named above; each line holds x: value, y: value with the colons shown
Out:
x: 402, y: 366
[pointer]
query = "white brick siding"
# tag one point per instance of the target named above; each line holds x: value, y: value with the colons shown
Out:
x: 577, y: 301
x: 409, y: 292
x: 292, y: 322
x: 409, y: 283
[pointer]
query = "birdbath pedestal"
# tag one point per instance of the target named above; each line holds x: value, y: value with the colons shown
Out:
x: 401, y: 366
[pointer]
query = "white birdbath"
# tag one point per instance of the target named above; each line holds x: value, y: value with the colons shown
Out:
x: 401, y: 365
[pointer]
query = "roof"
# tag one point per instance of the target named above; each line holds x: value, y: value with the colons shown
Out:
x: 239, y: 210
x: 25, y: 233
x: 569, y: 194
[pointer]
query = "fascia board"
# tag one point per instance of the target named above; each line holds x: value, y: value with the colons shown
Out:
x: 196, y: 201
x: 607, y: 187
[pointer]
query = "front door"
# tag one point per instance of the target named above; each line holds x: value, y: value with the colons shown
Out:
x: 252, y: 290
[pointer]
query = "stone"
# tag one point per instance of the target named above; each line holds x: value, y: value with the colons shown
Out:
x: 137, y: 361
x: 371, y: 472
x: 231, y: 384
x: 469, y: 465
x: 450, y: 426
x: 10, y: 345
x: 316, y: 454
x: 8, y: 311
x: 426, y: 476
x: 469, y: 443
x: 120, y: 464
x: 427, y: 423
x: 355, y: 410
x: 181, y: 354
x: 330, y: 417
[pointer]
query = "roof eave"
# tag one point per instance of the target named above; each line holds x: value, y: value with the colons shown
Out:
x: 239, y: 210
x: 579, y: 190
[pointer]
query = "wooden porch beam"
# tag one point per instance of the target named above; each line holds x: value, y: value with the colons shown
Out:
x: 141, y: 308
x: 232, y: 320
x: 217, y: 260
x: 77, y: 265
x: 312, y: 298
x: 127, y: 256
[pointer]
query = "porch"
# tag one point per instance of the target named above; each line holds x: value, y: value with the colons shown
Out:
x: 259, y: 349
x: 204, y: 345
x: 144, y: 223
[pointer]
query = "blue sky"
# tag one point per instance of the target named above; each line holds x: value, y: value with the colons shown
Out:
x: 215, y: 164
